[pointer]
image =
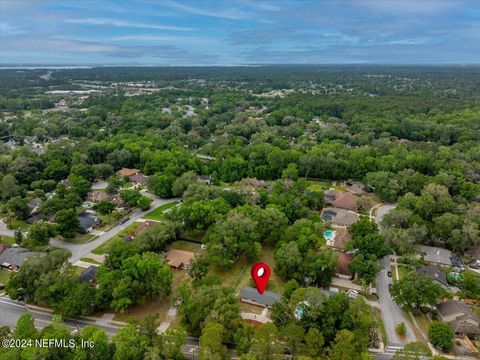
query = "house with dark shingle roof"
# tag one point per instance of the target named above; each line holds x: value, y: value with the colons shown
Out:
x: 14, y: 257
x: 460, y: 317
x: 339, y: 217
x: 89, y: 275
x: 435, y: 273
x: 87, y: 223
x: 251, y: 296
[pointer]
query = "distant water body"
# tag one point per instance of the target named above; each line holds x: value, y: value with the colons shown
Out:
x: 51, y: 67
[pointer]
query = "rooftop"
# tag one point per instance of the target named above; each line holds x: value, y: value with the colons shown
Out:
x: 435, y: 273
x: 178, y: 258
x: 16, y: 256
x: 268, y: 298
x: 436, y: 255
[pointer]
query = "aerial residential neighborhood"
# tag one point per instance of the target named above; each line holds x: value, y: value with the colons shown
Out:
x: 253, y: 180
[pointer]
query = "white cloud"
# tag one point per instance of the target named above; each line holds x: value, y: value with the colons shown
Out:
x: 123, y: 23
x: 234, y: 14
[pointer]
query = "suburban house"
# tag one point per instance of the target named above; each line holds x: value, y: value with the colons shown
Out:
x: 251, y: 296
x: 340, y: 199
x: 35, y: 218
x: 97, y: 196
x: 34, y: 205
x: 436, y: 255
x: 356, y: 187
x: 179, y: 259
x: 435, y: 273
x: 342, y: 270
x: 340, y: 238
x: 339, y: 217
x: 460, y: 317
x: 118, y: 201
x: 127, y: 172
x: 89, y: 275
x: 204, y: 179
x: 138, y: 179
x: 13, y: 258
x: 87, y: 223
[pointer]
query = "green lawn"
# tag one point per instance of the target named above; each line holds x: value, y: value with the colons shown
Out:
x: 378, y: 317
x: 91, y: 261
x: 187, y: 246
x: 19, y: 225
x: 157, y: 214
x: 103, y: 248
x: 7, y: 240
x: 5, y: 276
x: 315, y: 185
x: 80, y: 238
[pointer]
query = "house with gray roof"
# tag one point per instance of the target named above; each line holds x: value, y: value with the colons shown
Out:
x: 436, y: 274
x: 339, y: 217
x: 87, y: 222
x: 436, y: 255
x: 89, y: 275
x: 460, y: 317
x: 250, y: 295
x: 13, y: 258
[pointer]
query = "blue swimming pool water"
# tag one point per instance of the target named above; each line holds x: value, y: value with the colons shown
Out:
x: 329, y: 234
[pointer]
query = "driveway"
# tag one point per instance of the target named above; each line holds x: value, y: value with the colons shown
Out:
x: 382, y: 210
x: 79, y: 251
x: 4, y: 231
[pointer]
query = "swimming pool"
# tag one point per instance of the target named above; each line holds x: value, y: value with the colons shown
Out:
x: 329, y: 234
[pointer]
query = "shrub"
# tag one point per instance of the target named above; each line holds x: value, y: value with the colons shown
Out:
x: 441, y: 334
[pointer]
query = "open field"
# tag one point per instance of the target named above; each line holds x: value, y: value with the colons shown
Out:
x: 7, y: 240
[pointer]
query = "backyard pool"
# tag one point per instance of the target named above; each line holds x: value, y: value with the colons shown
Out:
x: 329, y: 234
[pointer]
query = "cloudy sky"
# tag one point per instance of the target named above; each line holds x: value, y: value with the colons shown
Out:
x: 181, y: 32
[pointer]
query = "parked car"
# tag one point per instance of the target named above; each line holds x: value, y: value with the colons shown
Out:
x: 389, y: 274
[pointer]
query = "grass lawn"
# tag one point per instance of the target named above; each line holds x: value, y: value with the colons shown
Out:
x: 79, y: 238
x: 7, y: 240
x: 5, y: 276
x: 105, y: 246
x: 239, y: 275
x: 91, y: 261
x: 378, y: 317
x: 157, y: 214
x: 315, y: 185
x: 187, y: 246
x: 250, y: 308
x: 192, y: 235
x: 19, y: 225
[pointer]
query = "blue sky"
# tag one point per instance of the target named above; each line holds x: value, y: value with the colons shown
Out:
x: 175, y: 32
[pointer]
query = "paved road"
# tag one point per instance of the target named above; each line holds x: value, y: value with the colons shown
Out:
x: 392, y: 315
x: 382, y: 210
x: 80, y: 250
x: 10, y: 311
x: 5, y: 231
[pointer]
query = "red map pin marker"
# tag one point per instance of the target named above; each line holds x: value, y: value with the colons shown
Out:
x: 260, y: 274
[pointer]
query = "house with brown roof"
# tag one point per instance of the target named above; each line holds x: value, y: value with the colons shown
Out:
x: 341, y: 237
x: 344, y: 261
x: 138, y: 179
x: 340, y: 199
x: 460, y: 317
x: 179, y: 259
x: 127, y: 172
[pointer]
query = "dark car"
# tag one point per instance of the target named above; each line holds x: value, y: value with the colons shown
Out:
x: 389, y: 286
x: 389, y: 274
